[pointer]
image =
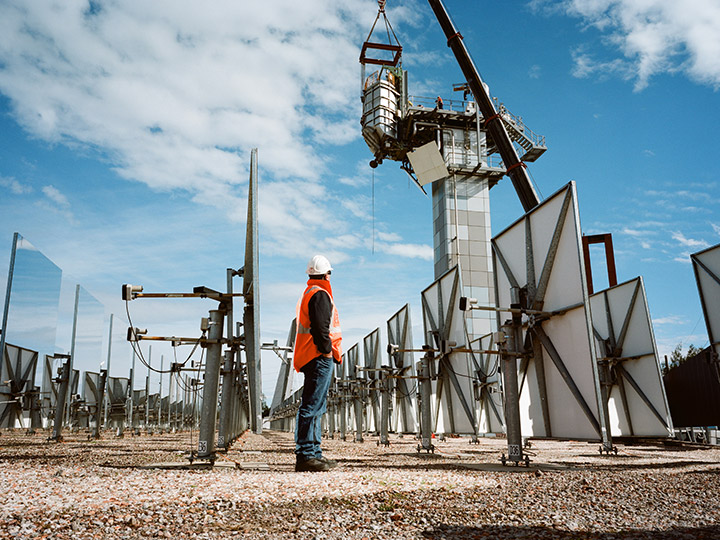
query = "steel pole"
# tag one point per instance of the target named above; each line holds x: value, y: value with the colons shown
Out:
x: 425, y: 403
x: 228, y: 397
x: 106, y: 401
x: 385, y: 406
x: 159, y: 408
x: 147, y: 391
x: 511, y: 394
x: 64, y: 383
x: 72, y: 347
x: 358, y: 405
x: 130, y: 396
x: 208, y: 417
x: 251, y: 293
x: 101, y: 399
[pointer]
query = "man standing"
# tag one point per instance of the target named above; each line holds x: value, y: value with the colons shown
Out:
x: 317, y: 346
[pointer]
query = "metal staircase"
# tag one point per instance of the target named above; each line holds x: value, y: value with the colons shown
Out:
x: 520, y: 134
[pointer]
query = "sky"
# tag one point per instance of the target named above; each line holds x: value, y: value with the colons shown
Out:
x: 126, y: 130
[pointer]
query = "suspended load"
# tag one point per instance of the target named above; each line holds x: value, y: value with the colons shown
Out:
x: 383, y: 89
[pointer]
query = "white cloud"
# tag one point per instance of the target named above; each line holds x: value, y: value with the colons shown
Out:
x: 15, y: 187
x: 653, y: 36
x: 684, y: 257
x: 52, y: 193
x: 177, y: 93
x: 416, y: 251
x: 174, y: 95
x: 670, y: 319
x: 716, y: 228
x: 689, y: 242
x: 388, y: 237
x: 636, y: 232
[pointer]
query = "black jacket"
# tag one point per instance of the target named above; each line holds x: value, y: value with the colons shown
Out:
x: 320, y: 313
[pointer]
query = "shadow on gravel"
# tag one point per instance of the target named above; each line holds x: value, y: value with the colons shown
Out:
x: 649, y: 466
x: 419, y: 466
x: 502, y: 532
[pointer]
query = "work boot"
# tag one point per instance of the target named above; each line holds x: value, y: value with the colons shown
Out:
x: 311, y: 465
x: 330, y: 462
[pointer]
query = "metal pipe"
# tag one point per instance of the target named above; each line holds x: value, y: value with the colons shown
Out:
x: 130, y: 401
x: 100, y: 399
x: 72, y: 347
x: 511, y: 395
x: 208, y: 416
x: 107, y: 378
x: 425, y: 402
x: 147, y: 392
x: 63, y: 384
x: 159, y: 408
x: 228, y: 396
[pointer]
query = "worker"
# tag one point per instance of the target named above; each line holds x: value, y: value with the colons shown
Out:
x: 318, y: 347
x: 439, y: 103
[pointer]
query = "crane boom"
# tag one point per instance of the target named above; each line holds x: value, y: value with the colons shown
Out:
x: 514, y: 166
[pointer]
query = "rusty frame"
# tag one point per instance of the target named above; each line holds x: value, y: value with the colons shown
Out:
x: 605, y: 239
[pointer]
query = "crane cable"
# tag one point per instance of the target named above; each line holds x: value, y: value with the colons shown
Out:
x: 373, y: 211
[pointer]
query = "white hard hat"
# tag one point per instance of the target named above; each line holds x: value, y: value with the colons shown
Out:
x: 318, y: 265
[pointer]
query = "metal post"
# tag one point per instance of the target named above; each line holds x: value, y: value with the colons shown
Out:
x: 357, y: 393
x: 159, y: 407
x: 385, y: 405
x: 64, y: 382
x: 208, y: 418
x: 251, y: 293
x: 106, y: 401
x: 171, y: 386
x: 425, y: 403
x: 227, y: 402
x: 332, y: 410
x: 606, y: 385
x: 101, y: 398
x: 130, y: 403
x: 147, y: 392
x: 342, y: 387
x: 228, y: 398
x: 72, y: 346
x: 511, y: 394
x: 182, y: 403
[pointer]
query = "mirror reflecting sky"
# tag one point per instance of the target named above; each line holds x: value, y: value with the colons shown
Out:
x: 40, y: 318
x: 89, y: 330
x: 34, y: 300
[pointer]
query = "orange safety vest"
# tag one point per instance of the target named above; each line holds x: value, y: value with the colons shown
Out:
x: 305, y: 349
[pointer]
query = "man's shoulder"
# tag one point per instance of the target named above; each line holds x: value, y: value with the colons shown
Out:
x: 320, y: 297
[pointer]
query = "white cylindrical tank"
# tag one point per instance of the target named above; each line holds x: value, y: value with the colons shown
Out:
x: 380, y: 110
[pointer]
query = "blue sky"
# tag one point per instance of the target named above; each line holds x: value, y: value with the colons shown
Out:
x: 126, y: 129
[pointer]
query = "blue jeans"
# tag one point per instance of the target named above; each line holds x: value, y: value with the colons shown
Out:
x: 308, y: 426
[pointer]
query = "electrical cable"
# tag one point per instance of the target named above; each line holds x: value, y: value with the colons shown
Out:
x: 410, y: 393
x: 373, y: 211
x: 138, y: 351
x: 493, y: 370
x: 693, y: 330
x: 535, y: 184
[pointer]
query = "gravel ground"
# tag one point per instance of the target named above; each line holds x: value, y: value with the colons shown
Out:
x: 101, y: 489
